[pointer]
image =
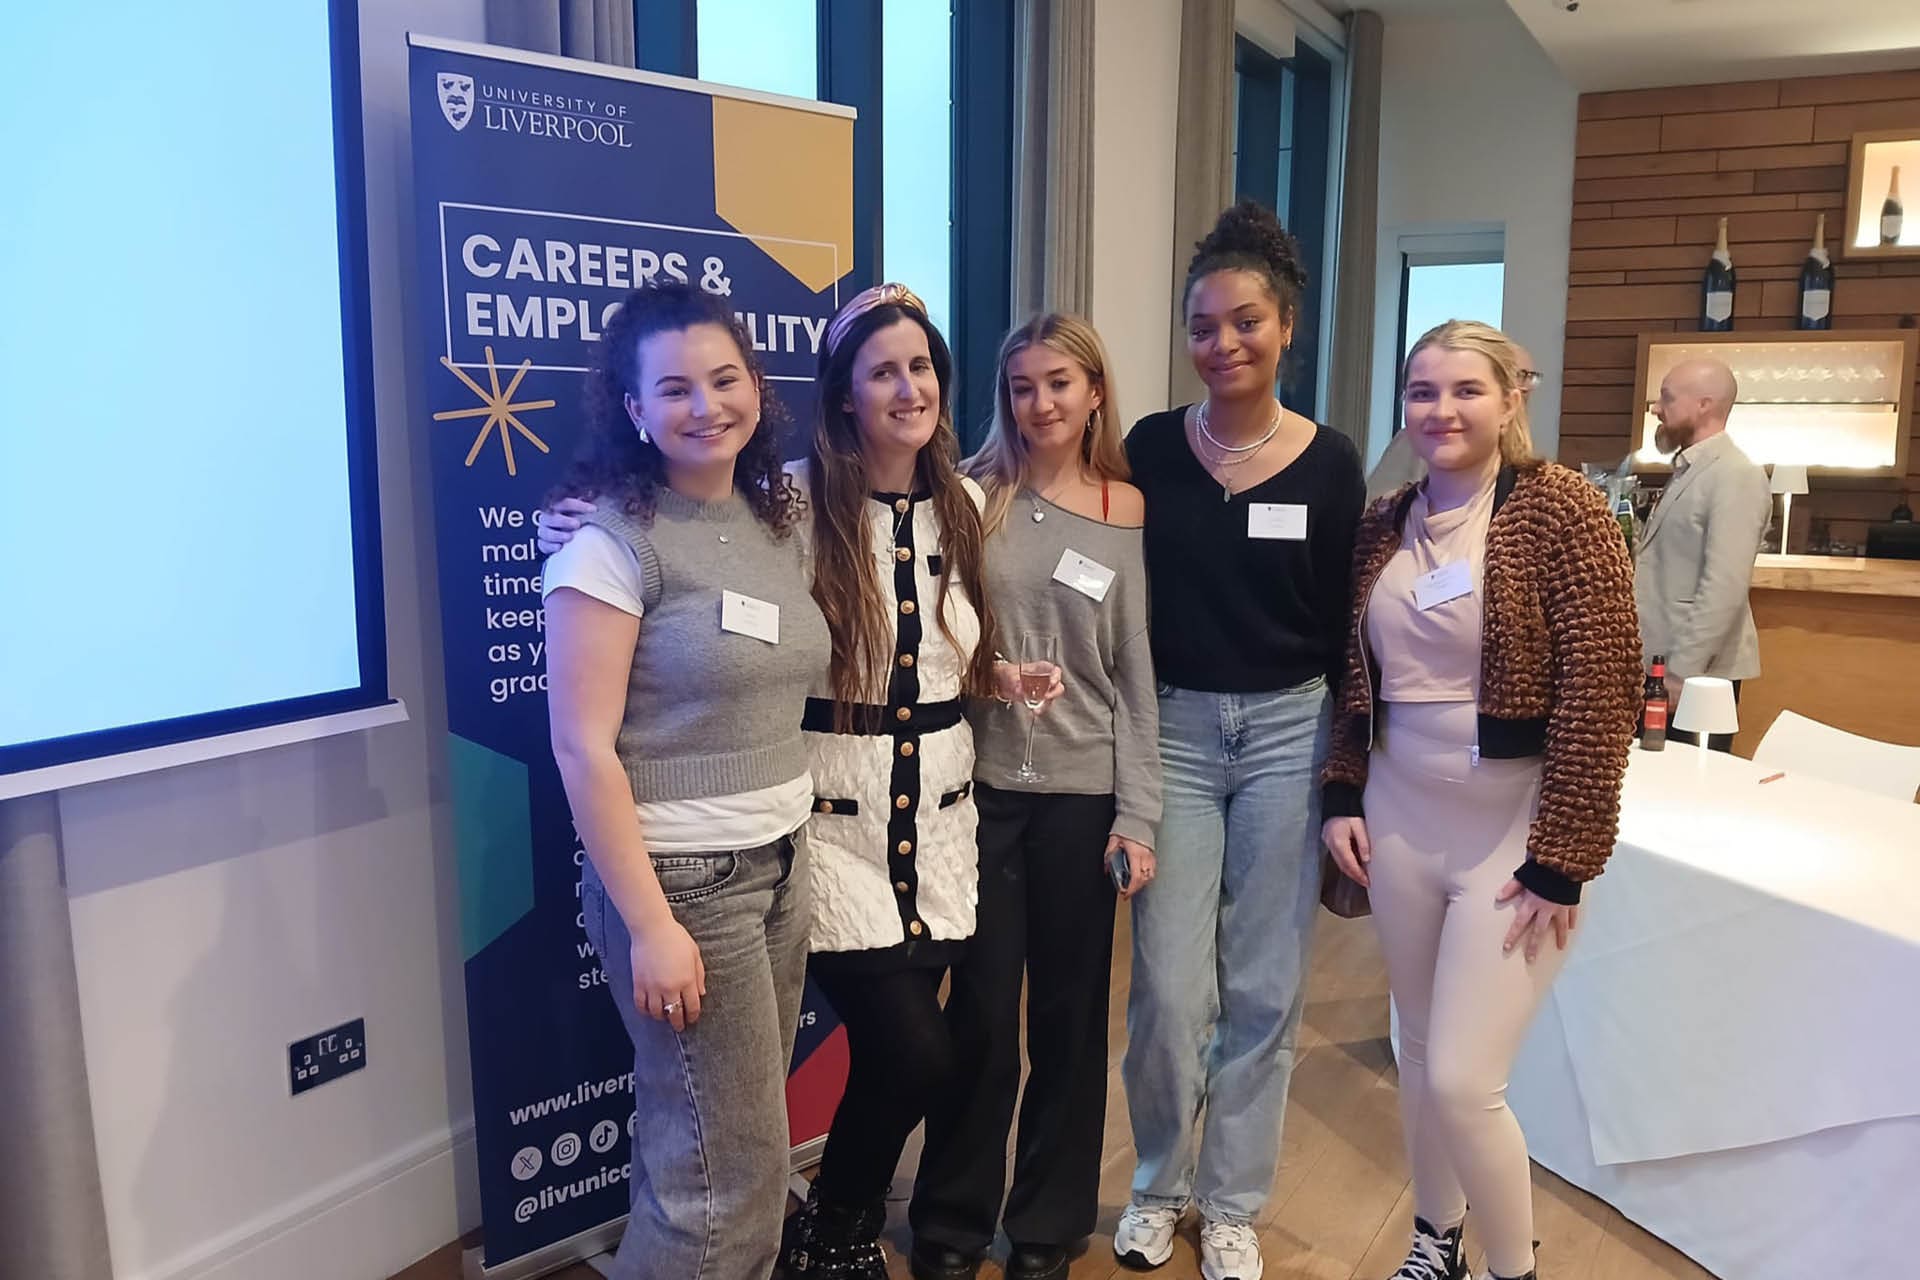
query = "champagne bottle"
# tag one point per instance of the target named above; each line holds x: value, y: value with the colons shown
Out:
x: 1716, y: 288
x: 1816, y: 282
x: 1892, y: 212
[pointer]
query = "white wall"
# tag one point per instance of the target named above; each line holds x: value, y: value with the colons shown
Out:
x: 1136, y: 87
x: 1476, y: 131
x: 223, y: 910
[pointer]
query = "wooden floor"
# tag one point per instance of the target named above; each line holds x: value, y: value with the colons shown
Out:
x: 1342, y: 1206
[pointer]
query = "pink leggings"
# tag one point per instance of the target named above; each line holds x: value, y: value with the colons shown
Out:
x: 1447, y: 835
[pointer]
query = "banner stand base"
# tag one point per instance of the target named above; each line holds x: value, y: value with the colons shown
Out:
x: 592, y: 1247
x: 561, y: 1253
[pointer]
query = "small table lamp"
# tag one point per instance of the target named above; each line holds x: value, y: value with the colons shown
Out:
x: 1706, y: 707
x: 1788, y: 479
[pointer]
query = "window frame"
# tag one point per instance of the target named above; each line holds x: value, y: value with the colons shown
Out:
x: 1437, y: 249
x: 1300, y: 95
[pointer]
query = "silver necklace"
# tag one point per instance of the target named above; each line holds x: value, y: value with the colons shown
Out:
x: 899, y: 522
x: 1233, y: 455
x: 1037, y: 498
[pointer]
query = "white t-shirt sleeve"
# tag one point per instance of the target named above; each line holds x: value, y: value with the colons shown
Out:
x: 598, y: 564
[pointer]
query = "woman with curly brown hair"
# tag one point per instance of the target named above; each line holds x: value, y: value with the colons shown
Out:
x: 679, y: 626
x: 1250, y: 511
x: 1479, y: 744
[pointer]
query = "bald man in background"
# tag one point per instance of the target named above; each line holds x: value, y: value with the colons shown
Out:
x: 1694, y: 565
x: 1400, y: 465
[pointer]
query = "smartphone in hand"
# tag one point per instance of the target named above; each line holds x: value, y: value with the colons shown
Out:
x: 1120, y: 869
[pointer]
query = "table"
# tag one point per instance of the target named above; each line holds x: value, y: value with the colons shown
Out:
x: 1731, y: 1056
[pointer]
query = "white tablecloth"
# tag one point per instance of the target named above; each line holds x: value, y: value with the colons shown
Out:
x: 1732, y: 1054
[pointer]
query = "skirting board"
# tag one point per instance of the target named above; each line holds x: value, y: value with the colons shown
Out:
x: 373, y: 1222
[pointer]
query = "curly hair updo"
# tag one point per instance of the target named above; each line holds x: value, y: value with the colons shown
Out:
x: 1248, y: 237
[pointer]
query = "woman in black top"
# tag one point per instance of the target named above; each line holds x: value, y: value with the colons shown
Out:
x: 1250, y: 517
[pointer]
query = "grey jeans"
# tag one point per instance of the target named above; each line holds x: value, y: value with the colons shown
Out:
x: 710, y: 1157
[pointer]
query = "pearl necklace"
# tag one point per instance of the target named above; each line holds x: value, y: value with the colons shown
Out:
x: 1233, y: 455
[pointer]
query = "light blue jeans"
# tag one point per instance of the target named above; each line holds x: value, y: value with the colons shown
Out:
x: 709, y: 1185
x: 1220, y: 945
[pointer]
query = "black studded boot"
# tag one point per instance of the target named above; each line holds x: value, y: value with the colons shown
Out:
x: 825, y: 1240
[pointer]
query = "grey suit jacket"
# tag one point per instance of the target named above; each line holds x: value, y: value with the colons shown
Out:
x: 1694, y: 564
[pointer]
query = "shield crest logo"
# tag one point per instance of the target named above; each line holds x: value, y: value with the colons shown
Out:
x: 456, y: 98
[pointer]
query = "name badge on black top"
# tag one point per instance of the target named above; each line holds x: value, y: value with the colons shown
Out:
x: 1283, y: 521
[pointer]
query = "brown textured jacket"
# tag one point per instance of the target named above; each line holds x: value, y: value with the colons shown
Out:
x: 1559, y: 664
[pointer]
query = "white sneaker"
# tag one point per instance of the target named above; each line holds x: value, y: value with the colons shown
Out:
x: 1144, y: 1238
x: 1229, y: 1251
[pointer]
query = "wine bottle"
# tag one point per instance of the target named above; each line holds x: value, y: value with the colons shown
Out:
x: 1892, y: 212
x: 1816, y: 281
x: 1653, y: 715
x: 1716, y: 288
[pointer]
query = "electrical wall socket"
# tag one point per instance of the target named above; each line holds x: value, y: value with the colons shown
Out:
x: 327, y: 1056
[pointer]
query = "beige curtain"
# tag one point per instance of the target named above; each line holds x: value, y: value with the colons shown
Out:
x: 1350, y: 380
x: 596, y: 30
x: 1203, y: 165
x: 53, y: 1225
x: 1053, y: 157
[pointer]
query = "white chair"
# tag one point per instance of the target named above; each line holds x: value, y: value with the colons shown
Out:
x: 1800, y: 745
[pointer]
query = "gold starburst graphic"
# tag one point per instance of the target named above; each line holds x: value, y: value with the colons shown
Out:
x: 498, y: 408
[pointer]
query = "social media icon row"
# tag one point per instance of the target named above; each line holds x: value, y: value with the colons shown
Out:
x: 528, y: 1161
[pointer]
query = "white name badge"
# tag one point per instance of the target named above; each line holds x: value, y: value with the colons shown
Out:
x: 1089, y: 577
x: 1448, y: 582
x: 745, y: 616
x: 1285, y: 521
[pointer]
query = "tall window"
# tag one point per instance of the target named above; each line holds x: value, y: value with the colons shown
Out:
x: 1444, y: 277
x: 1283, y: 120
x: 933, y: 83
x: 916, y: 128
x: 760, y: 44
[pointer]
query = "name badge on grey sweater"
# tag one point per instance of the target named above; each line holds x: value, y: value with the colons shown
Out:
x: 745, y: 616
x: 1089, y: 577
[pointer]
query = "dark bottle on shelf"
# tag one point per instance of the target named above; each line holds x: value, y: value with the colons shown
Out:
x: 1716, y: 288
x: 1892, y: 212
x: 1816, y: 282
x: 1653, y: 716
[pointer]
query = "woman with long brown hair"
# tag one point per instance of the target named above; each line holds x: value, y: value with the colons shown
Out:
x: 897, y: 549
x: 1063, y: 558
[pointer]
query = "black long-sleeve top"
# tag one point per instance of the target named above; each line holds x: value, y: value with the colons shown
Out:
x: 1234, y: 613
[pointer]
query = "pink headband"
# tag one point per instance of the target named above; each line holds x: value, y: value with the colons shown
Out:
x: 866, y: 300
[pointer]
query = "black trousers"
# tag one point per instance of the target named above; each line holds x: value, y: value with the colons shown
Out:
x: 900, y: 1062
x: 1046, y: 909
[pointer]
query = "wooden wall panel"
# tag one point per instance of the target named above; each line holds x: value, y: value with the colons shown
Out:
x: 1654, y: 171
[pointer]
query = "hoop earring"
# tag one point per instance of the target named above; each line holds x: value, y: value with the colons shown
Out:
x: 644, y: 437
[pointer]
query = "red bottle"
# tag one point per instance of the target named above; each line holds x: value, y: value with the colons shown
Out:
x: 1653, y: 719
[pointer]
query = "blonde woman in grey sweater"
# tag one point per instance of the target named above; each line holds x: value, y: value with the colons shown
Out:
x: 1063, y: 557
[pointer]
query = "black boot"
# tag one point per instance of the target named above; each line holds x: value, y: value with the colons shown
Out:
x: 829, y: 1241
x: 1037, y: 1262
x: 1436, y: 1255
x: 931, y: 1260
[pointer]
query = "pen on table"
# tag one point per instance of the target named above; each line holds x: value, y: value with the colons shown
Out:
x: 1772, y: 777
